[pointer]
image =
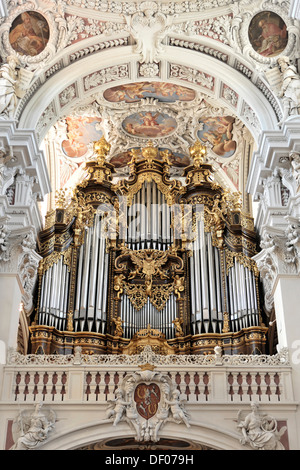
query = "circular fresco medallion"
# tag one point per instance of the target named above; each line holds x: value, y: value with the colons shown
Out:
x: 149, y: 125
x: 268, y: 34
x: 29, y: 33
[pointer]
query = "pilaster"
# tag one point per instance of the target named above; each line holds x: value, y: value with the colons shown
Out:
x: 24, y: 182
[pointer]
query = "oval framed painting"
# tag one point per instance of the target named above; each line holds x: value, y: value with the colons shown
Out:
x: 268, y: 34
x: 29, y: 33
x: 148, y: 124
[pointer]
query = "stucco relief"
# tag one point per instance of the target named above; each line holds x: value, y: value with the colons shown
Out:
x: 146, y: 400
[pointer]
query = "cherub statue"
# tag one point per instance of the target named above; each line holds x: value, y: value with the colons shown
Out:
x: 178, y: 285
x: 118, y: 284
x: 119, y: 330
x: 32, y: 429
x: 179, y: 414
x: 178, y: 322
x: 117, y: 407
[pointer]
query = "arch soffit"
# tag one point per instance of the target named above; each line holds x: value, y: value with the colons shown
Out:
x: 200, y: 433
x: 76, y: 84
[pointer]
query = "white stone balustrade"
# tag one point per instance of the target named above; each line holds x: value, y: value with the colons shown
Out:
x: 200, y: 379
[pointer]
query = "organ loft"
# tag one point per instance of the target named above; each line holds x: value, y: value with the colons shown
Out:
x: 148, y: 259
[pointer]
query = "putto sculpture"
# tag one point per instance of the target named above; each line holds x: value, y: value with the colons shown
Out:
x: 146, y: 400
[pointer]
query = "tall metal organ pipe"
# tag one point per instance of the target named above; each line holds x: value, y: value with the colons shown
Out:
x: 54, y: 296
x: 91, y: 283
x: 149, y: 227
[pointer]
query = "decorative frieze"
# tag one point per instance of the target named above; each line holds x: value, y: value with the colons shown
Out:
x: 106, y: 75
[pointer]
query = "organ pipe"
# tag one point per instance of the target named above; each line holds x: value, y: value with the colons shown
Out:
x: 91, y: 281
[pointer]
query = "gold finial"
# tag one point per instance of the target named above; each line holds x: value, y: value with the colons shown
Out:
x: 150, y: 152
x: 198, y: 152
x: 101, y: 148
x: 166, y: 154
x: 135, y: 154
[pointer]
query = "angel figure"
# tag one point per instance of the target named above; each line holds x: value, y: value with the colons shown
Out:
x: 119, y: 330
x: 118, y: 284
x: 32, y: 429
x: 178, y: 322
x: 178, y: 285
x: 260, y: 431
x: 80, y: 215
x: 177, y: 409
x: 117, y: 407
x: 217, y: 220
x: 290, y: 88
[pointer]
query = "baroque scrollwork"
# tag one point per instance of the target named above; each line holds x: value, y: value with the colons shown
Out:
x: 149, y: 27
x: 146, y: 400
x: 278, y: 256
x: 148, y: 271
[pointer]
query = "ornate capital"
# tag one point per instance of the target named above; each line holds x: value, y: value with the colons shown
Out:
x: 278, y: 256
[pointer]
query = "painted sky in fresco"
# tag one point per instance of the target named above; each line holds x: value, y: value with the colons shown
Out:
x: 218, y: 131
x: 80, y: 132
x: 133, y: 92
x: 149, y: 124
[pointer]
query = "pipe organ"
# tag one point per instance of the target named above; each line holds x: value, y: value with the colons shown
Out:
x: 148, y: 259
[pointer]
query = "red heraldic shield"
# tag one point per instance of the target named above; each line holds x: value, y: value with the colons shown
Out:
x: 147, y: 398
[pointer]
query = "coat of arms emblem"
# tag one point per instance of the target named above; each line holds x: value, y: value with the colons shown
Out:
x: 147, y: 398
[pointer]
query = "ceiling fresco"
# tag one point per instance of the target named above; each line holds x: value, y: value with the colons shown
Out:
x: 218, y: 131
x: 161, y: 91
x: 81, y: 131
x: 149, y: 124
x: 169, y: 115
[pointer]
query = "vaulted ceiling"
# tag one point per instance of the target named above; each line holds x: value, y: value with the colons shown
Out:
x: 168, y: 71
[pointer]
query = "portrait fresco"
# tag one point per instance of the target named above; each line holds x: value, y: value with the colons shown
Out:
x: 164, y: 92
x: 268, y: 34
x: 80, y: 132
x: 29, y: 33
x: 149, y: 124
x: 218, y: 131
